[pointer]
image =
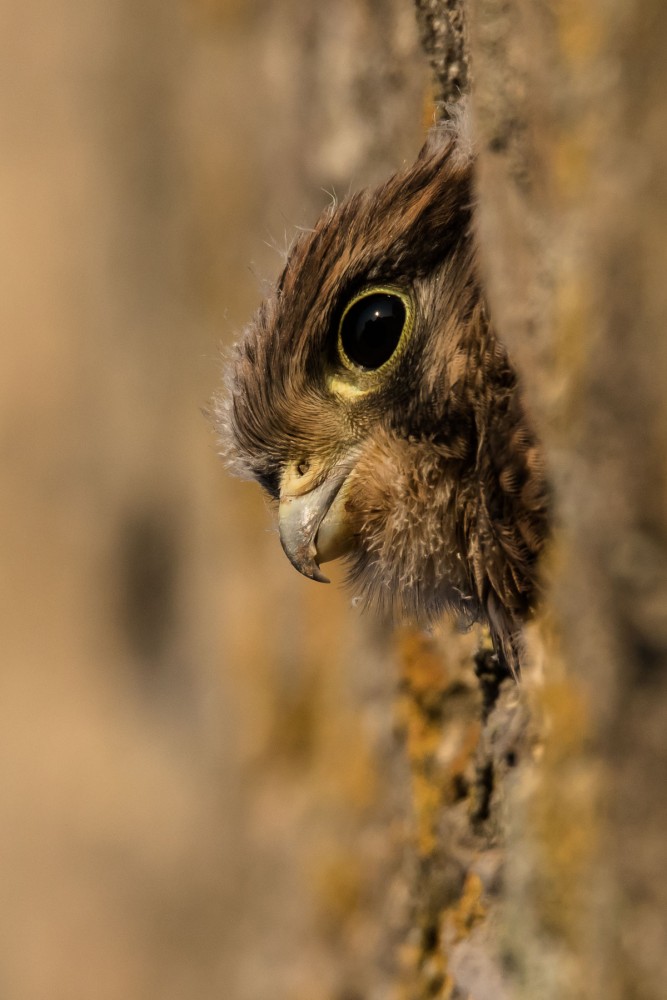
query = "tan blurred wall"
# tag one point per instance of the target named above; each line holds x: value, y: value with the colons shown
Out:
x: 119, y: 828
x: 190, y: 798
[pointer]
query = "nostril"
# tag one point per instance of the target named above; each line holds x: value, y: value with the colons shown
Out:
x: 298, y: 477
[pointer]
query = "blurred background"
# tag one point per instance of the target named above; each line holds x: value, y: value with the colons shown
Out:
x: 197, y: 767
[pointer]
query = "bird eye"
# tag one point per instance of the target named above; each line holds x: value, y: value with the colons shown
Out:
x: 372, y: 326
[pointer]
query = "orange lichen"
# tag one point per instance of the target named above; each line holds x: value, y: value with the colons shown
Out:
x: 339, y: 881
x: 429, y: 109
x: 565, y: 810
x: 424, y: 679
x: 439, y: 710
x: 470, y: 909
x: 580, y: 31
x: 428, y: 685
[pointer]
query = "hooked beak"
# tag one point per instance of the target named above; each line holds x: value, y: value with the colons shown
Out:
x: 312, y: 520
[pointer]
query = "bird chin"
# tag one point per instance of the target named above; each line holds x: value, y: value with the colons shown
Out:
x: 334, y: 536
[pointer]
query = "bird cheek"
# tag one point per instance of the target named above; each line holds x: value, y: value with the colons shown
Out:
x: 335, y: 535
x: 378, y: 477
x: 379, y: 500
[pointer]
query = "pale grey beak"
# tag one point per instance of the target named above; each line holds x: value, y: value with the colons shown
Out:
x: 313, y: 527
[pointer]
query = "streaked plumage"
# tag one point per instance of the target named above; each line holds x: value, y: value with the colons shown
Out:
x: 424, y: 472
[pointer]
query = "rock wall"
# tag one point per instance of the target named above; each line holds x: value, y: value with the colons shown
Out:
x: 216, y: 778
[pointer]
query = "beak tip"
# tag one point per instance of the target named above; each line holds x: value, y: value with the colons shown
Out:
x: 303, y: 558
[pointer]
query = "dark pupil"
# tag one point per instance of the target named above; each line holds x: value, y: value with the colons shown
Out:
x: 371, y: 329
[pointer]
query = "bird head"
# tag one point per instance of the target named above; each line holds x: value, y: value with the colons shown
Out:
x: 371, y: 400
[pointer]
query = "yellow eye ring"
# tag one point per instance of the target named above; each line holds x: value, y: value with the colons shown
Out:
x: 374, y: 329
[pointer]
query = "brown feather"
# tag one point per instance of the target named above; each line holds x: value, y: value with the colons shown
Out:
x: 447, y: 497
